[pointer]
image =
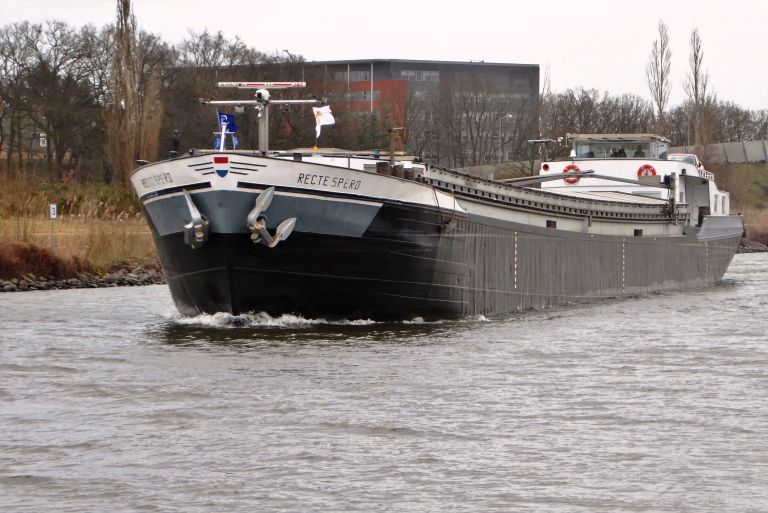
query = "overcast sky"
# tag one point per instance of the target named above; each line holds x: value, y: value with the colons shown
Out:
x: 600, y: 44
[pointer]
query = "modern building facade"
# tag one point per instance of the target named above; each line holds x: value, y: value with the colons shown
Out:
x: 479, y: 106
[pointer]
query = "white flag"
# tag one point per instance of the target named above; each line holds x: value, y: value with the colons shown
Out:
x: 323, y: 116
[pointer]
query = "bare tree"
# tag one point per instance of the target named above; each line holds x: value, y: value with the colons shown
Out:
x: 589, y: 111
x: 60, y: 99
x: 696, y: 86
x: 16, y: 56
x: 470, y: 122
x: 658, y: 72
x: 760, y: 124
x: 134, y: 119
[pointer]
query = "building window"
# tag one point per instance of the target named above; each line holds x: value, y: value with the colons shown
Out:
x: 363, y: 95
x: 354, y: 76
x: 360, y: 76
x: 413, y: 75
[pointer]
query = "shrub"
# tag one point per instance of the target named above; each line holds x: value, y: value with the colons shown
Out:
x: 760, y: 237
x: 17, y: 260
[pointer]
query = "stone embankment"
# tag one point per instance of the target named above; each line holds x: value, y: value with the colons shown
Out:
x: 120, y: 278
x: 750, y: 246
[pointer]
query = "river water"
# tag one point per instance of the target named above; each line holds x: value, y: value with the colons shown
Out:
x: 111, y: 402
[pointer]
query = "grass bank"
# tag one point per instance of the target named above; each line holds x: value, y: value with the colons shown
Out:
x: 100, y: 242
x: 99, y: 228
x: 748, y: 188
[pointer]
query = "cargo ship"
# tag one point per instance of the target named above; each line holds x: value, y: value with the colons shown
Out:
x: 368, y: 235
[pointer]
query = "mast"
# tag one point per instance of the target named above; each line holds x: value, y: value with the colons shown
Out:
x: 261, y: 103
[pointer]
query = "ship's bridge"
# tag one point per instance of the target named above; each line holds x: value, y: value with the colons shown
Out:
x: 615, y: 146
x: 636, y: 157
x: 638, y: 164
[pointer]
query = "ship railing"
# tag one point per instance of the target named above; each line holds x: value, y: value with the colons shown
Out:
x: 527, y: 199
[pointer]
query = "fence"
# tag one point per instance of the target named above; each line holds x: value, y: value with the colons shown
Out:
x: 745, y: 152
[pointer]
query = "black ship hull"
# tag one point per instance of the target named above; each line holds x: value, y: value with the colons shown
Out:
x: 367, y: 245
x: 414, y: 262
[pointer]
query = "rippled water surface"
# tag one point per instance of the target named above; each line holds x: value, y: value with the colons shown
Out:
x: 110, y: 402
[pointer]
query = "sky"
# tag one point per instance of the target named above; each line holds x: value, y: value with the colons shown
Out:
x: 594, y: 44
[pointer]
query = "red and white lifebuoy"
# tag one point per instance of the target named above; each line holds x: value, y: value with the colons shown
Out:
x: 569, y: 169
x: 646, y: 170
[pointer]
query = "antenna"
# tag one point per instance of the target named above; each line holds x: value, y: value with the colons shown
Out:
x: 261, y: 103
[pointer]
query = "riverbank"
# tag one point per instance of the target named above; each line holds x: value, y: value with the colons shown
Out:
x: 131, y: 275
x: 751, y: 246
x: 28, y: 266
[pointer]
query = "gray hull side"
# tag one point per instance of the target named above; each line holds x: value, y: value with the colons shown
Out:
x: 517, y: 267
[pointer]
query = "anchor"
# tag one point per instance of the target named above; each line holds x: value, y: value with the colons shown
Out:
x: 197, y: 229
x: 257, y: 222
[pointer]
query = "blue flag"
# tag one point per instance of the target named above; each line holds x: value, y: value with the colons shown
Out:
x: 229, y: 121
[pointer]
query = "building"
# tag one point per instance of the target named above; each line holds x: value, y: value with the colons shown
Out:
x: 29, y: 144
x: 454, y: 112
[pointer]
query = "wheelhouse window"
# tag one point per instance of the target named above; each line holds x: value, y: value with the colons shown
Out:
x: 659, y: 150
x: 611, y: 150
x: 587, y: 149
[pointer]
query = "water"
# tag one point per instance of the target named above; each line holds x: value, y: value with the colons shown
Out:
x: 110, y: 402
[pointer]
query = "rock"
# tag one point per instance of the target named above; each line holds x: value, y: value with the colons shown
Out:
x: 9, y: 287
x: 748, y: 246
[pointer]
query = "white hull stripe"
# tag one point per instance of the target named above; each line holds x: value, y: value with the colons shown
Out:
x: 334, y: 199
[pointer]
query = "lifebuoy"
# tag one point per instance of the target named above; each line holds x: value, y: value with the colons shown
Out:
x: 571, y: 168
x: 646, y: 170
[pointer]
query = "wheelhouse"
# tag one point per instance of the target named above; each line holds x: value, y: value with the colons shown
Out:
x: 618, y: 146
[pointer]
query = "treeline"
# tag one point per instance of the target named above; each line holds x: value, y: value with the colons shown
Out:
x: 101, y: 98
x: 106, y: 97
x: 582, y: 110
x: 701, y: 119
x: 468, y: 121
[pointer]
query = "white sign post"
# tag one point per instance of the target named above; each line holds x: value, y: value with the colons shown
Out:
x: 53, y: 213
